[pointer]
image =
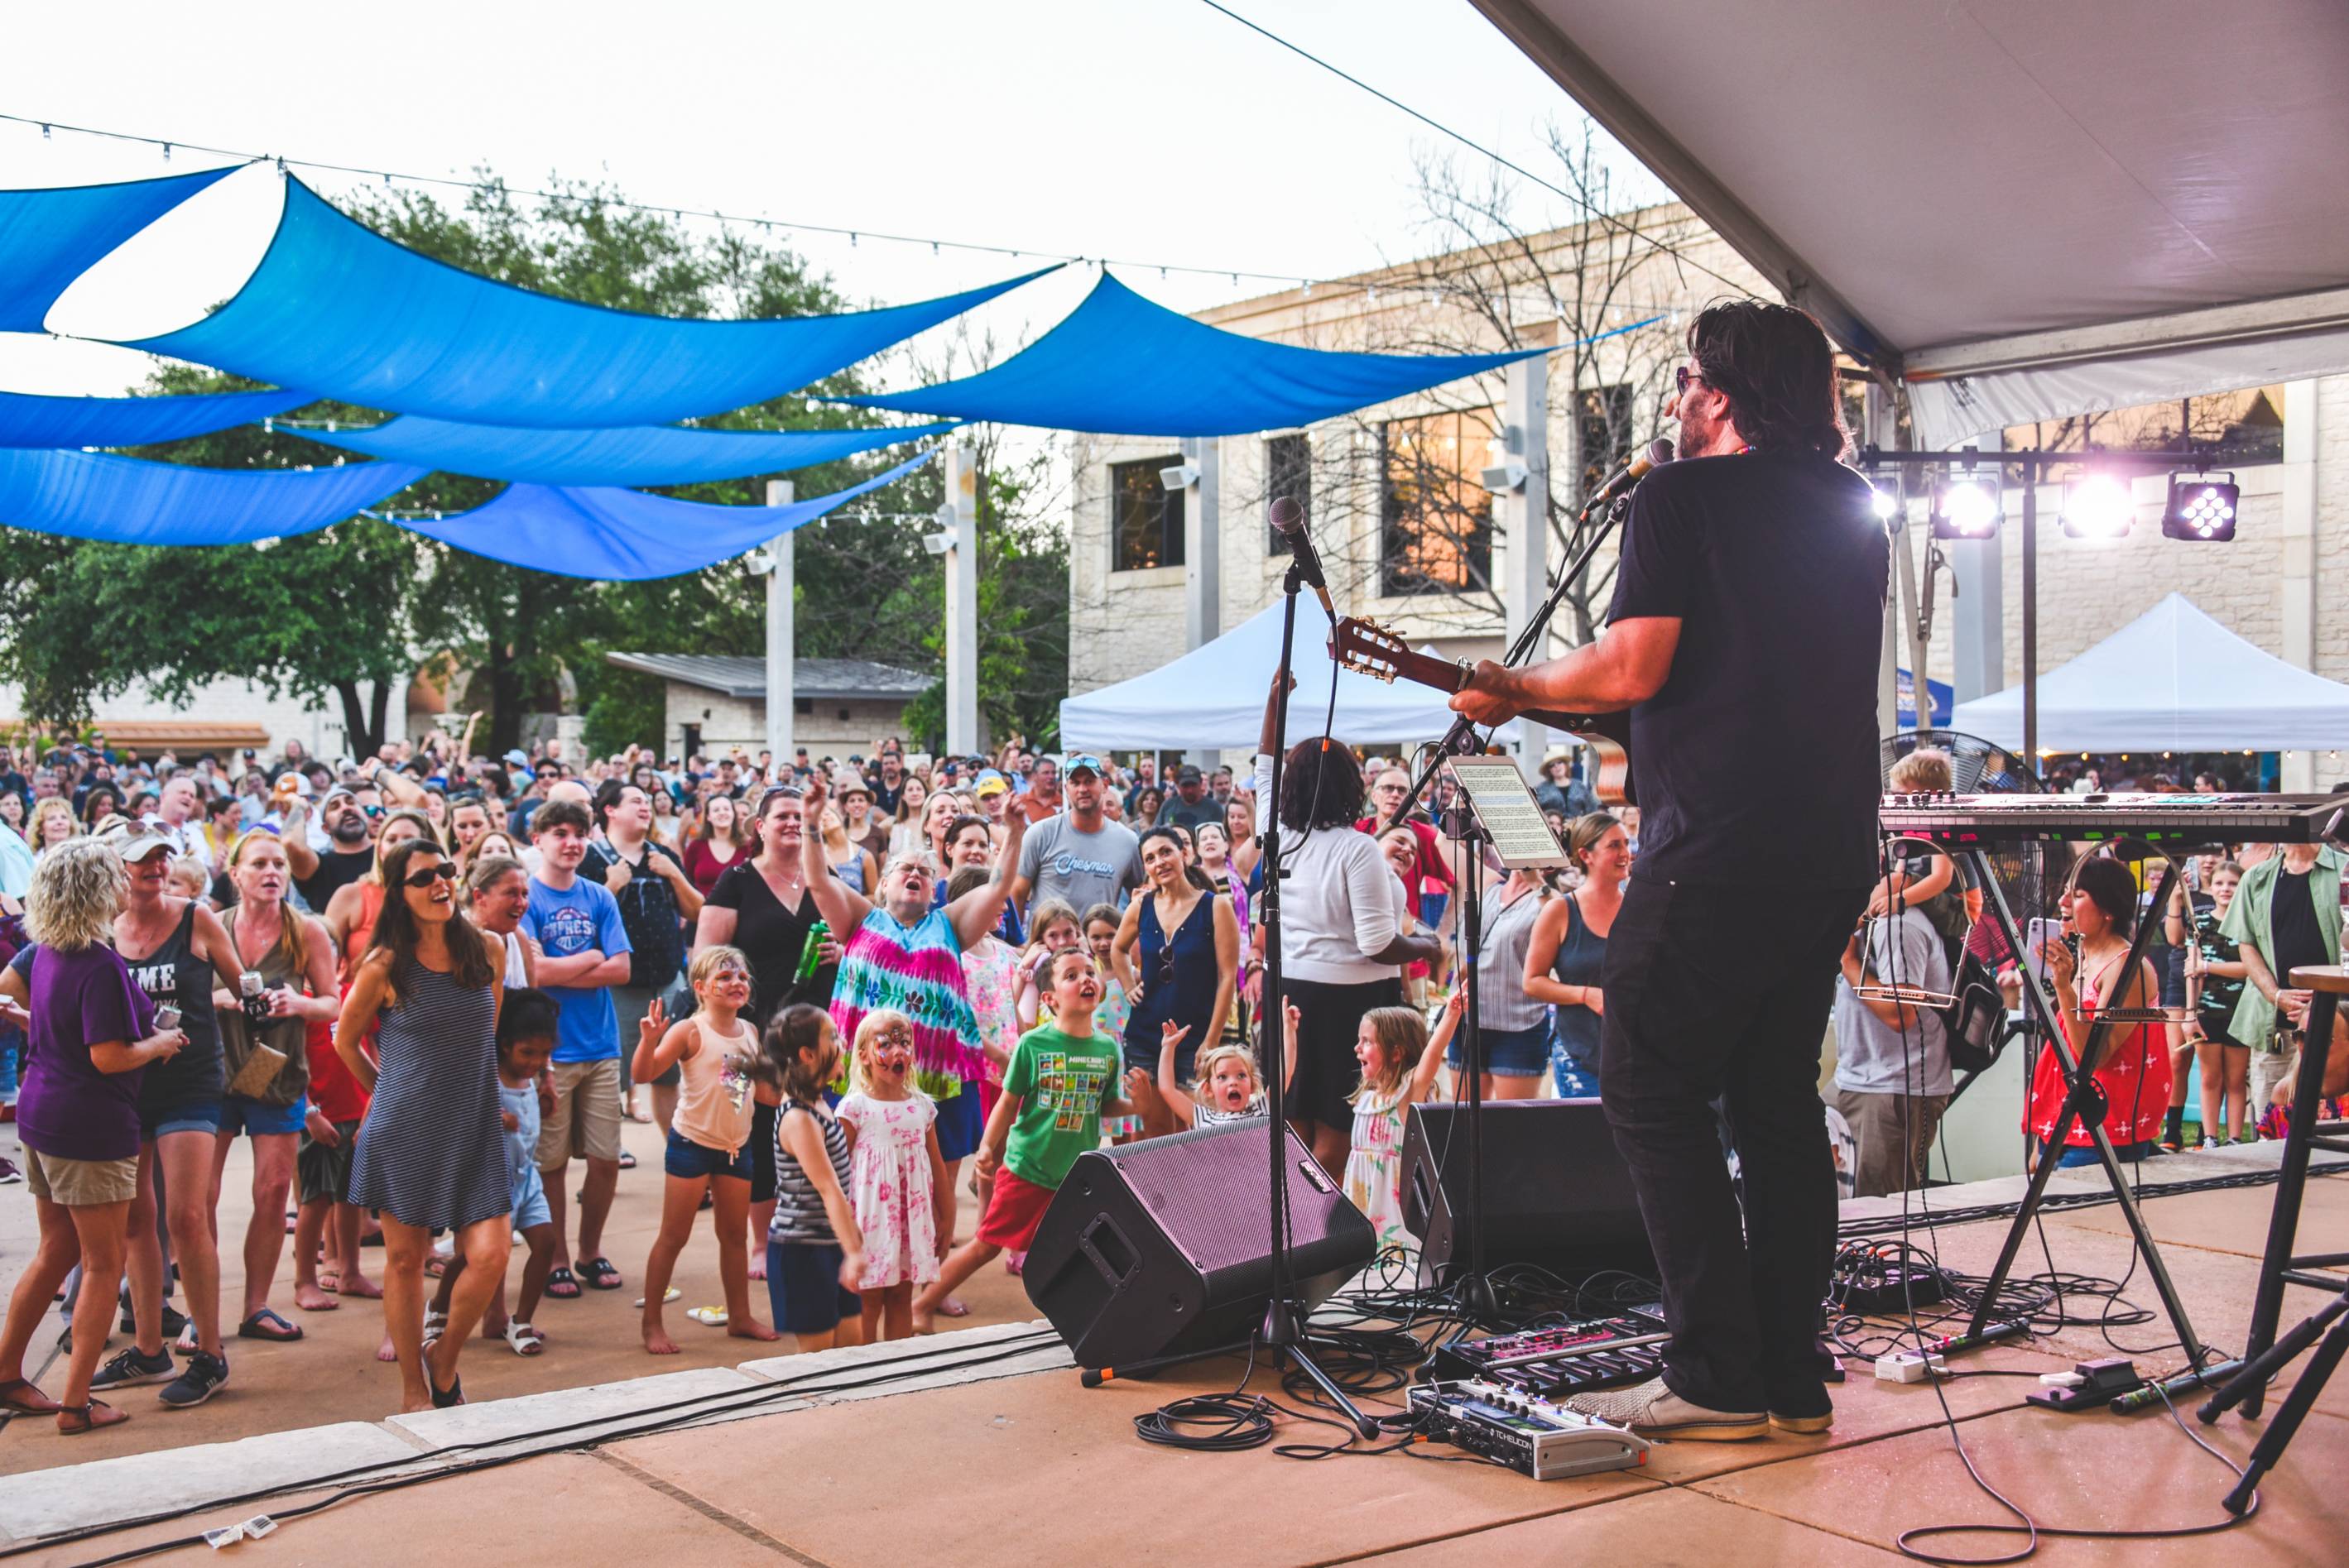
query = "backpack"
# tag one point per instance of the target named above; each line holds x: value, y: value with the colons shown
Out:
x: 1976, y: 1022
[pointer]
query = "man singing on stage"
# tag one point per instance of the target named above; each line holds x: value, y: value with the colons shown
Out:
x: 1746, y: 627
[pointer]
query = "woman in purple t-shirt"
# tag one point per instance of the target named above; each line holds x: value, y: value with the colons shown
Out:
x: 92, y: 1036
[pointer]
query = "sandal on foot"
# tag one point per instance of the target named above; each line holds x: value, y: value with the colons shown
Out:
x: 627, y: 1160
x: 599, y: 1275
x: 445, y: 1398
x: 268, y: 1324
x: 73, y: 1420
x: 709, y: 1317
x: 331, y: 1281
x: 18, y: 1397
x: 561, y: 1285
x: 524, y: 1339
x: 436, y: 1323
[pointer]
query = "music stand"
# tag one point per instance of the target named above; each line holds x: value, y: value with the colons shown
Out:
x: 1496, y: 810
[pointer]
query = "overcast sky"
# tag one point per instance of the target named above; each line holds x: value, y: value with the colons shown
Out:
x: 1151, y: 130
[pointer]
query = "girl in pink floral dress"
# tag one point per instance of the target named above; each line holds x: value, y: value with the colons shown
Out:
x: 896, y: 1179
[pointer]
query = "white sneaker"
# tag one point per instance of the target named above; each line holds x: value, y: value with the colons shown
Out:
x: 1653, y: 1410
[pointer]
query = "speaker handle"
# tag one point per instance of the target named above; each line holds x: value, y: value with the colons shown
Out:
x: 1115, y: 1275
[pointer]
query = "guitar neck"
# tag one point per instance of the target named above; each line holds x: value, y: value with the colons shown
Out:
x: 1446, y: 675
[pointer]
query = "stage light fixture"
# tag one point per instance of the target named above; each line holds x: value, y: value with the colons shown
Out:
x: 1968, y: 503
x: 2201, y: 507
x: 2097, y: 506
x: 1885, y: 502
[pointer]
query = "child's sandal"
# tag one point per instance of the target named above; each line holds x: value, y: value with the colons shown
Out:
x: 523, y: 1339
x: 709, y: 1317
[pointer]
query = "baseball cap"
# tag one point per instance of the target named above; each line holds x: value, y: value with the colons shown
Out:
x: 133, y: 841
x: 990, y: 783
x: 1189, y: 775
x: 517, y: 757
x: 1082, y: 762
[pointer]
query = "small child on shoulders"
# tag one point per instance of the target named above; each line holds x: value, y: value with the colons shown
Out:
x: 896, y: 1174
x: 1062, y: 1082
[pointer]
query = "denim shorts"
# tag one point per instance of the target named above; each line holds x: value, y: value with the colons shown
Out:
x: 1509, y: 1053
x: 190, y: 1116
x: 255, y: 1120
x: 691, y: 1161
x: 1575, y: 1079
x: 803, y: 1288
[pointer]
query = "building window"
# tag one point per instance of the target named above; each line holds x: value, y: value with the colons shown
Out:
x: 1288, y: 471
x: 2245, y: 428
x: 1437, y: 520
x: 1145, y: 517
x: 804, y: 706
x: 1602, y: 434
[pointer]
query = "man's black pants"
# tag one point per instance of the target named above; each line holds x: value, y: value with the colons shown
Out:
x: 1721, y: 994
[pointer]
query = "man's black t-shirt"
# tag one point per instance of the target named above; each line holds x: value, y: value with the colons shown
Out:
x: 337, y: 871
x: 1758, y: 757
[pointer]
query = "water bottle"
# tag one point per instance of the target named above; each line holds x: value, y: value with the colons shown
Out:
x: 256, y: 1003
x: 811, y: 951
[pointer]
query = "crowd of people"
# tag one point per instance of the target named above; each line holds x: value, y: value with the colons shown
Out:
x: 852, y: 993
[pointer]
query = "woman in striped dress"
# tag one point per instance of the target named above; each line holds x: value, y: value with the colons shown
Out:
x: 903, y: 955
x: 432, y: 1152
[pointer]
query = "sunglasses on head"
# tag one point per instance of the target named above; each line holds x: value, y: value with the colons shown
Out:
x: 425, y: 876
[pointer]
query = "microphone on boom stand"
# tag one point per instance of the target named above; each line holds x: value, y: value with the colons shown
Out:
x: 1645, y: 461
x: 1288, y: 521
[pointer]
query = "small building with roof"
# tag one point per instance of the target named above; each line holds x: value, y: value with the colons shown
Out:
x: 717, y: 702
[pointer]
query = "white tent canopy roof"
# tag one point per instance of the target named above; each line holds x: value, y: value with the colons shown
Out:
x: 1990, y: 188
x: 1213, y: 698
x: 2171, y: 680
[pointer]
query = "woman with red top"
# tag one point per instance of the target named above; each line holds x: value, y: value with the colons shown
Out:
x: 1429, y: 879
x: 2133, y: 1070
x: 725, y: 837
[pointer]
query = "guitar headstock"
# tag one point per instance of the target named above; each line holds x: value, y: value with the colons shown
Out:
x: 1368, y: 648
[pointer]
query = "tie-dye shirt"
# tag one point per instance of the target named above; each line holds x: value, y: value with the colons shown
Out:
x: 917, y: 970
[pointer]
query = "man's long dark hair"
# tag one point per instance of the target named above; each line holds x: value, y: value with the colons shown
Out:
x: 471, y: 964
x: 1775, y: 365
x: 1319, y: 789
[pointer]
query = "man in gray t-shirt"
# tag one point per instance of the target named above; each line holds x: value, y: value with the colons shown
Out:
x: 1892, y: 1061
x: 1080, y: 857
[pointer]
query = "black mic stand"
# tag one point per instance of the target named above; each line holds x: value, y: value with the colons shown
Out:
x: 1285, y: 1328
x: 1474, y: 1289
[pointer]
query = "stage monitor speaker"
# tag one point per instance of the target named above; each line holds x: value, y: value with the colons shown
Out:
x: 1160, y: 1250
x: 1557, y: 1194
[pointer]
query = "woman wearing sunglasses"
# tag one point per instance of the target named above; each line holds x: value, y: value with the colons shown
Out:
x: 1178, y: 955
x: 432, y: 1152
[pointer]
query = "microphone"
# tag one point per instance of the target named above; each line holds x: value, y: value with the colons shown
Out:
x: 1288, y: 520
x: 1649, y: 458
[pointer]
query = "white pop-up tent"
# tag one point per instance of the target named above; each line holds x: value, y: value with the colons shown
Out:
x: 1212, y: 698
x: 2171, y: 680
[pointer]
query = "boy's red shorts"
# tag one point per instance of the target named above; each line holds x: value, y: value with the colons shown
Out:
x: 1013, y: 1211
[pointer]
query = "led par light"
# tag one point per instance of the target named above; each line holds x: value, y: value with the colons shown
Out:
x: 2099, y: 506
x: 1968, y: 503
x: 2201, y: 507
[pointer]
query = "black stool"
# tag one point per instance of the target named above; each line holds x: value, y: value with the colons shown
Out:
x: 2264, y: 1354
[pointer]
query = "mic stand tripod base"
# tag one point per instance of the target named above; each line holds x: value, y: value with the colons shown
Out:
x: 1285, y: 1334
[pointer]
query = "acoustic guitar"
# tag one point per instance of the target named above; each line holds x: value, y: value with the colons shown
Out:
x: 1368, y: 648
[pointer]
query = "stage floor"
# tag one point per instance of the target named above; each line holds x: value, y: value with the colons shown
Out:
x: 1010, y: 1461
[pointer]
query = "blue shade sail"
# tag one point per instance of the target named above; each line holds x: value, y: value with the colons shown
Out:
x: 625, y: 535
x: 1118, y: 364
x: 336, y: 307
x: 49, y: 238
x: 126, y: 501
x: 640, y: 455
x: 29, y: 421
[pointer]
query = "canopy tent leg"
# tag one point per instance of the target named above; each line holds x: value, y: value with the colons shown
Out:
x: 962, y: 600
x: 1524, y: 525
x: 780, y: 702
x: 1203, y: 558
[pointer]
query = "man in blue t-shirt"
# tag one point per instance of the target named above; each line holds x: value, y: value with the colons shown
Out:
x: 584, y: 952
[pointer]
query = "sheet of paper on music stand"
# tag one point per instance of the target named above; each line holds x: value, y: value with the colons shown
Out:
x: 1508, y: 812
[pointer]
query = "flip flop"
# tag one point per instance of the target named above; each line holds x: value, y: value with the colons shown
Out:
x: 331, y: 1281
x: 670, y: 1294
x: 443, y: 1399
x: 563, y: 1285
x: 600, y: 1274
x: 16, y: 1396
x: 709, y: 1317
x: 268, y: 1324
x: 627, y: 1160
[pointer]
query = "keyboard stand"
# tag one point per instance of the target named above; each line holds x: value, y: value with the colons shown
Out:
x: 2084, y: 1103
